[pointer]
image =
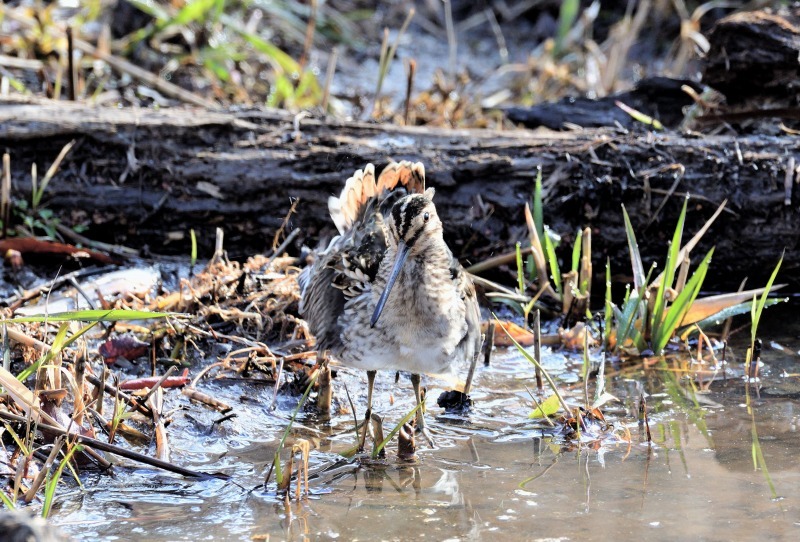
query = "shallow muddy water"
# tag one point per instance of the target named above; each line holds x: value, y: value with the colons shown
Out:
x: 493, y: 475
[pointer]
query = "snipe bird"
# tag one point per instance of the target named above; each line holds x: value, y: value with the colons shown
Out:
x: 387, y: 293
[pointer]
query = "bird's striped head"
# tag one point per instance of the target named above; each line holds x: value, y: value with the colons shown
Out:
x: 413, y: 220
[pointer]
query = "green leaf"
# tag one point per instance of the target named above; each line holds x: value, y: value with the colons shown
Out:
x: 546, y: 408
x: 52, y: 480
x: 681, y: 305
x: 394, y: 431
x: 538, y: 212
x: 759, y: 307
x: 552, y: 260
x: 633, y: 248
x: 59, y: 343
x: 625, y: 321
x: 735, y: 310
x: 659, y: 307
x: 93, y: 315
x: 193, y: 257
x: 530, y: 268
x: 566, y: 19
x: 576, y: 252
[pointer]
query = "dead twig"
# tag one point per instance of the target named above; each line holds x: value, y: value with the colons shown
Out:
x: 197, y: 395
x: 156, y: 404
x: 110, y: 448
x: 112, y: 390
x: 16, y: 301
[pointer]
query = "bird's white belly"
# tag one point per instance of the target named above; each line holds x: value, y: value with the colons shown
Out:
x: 422, y: 357
x: 402, y: 345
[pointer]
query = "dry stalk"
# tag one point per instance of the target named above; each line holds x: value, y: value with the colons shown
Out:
x: 118, y: 64
x: 156, y: 404
x: 329, y: 78
x: 538, y: 256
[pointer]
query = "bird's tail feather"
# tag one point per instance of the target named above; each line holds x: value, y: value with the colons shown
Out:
x: 362, y: 187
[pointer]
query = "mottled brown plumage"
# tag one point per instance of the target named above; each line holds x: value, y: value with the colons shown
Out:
x: 387, y: 293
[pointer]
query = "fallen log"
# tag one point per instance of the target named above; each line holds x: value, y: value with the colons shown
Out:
x: 145, y: 177
x: 660, y: 98
x: 753, y: 56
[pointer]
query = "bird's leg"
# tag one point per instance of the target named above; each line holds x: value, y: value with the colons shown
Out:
x: 421, y: 427
x: 368, y: 415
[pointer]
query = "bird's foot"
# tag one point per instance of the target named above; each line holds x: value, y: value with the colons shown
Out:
x: 425, y: 431
x: 365, y: 425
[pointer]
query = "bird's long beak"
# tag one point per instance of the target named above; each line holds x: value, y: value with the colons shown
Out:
x: 399, y: 260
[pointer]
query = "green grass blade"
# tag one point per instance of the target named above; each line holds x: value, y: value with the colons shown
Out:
x: 659, y: 307
x: 55, y: 349
x: 758, y: 459
x: 195, y: 10
x: 552, y: 260
x: 530, y: 268
x: 759, y: 307
x: 282, y: 443
x: 520, y: 271
x: 535, y: 363
x: 629, y: 312
x: 638, y: 116
x: 388, y: 57
x: 193, y: 257
x: 538, y: 210
x: 576, y: 252
x: 681, y: 305
x: 566, y: 19
x: 7, y: 502
x: 52, y: 481
x: 516, y: 306
x: 276, y: 55
x: 742, y: 308
x: 23, y: 448
x: 633, y: 248
x: 93, y: 315
x: 394, y: 431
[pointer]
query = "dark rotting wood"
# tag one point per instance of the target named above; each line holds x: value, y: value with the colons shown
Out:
x: 754, y: 54
x: 192, y: 168
x: 661, y: 98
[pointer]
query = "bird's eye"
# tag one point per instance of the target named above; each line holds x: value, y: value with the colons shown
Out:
x: 426, y: 217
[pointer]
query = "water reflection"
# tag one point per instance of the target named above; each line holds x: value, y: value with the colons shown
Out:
x: 495, y: 474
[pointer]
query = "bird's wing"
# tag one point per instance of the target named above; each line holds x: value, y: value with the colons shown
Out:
x: 472, y: 342
x: 321, y: 303
x: 351, y: 261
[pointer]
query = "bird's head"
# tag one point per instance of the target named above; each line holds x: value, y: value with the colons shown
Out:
x: 413, y: 221
x: 414, y: 227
